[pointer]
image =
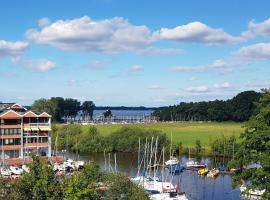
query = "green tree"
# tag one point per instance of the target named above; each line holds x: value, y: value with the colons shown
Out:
x: 255, y: 148
x: 44, y: 105
x: 60, y: 107
x: 39, y: 184
x: 87, y: 108
x: 83, y: 184
x: 121, y: 187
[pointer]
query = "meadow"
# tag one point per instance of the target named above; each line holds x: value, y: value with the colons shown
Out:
x: 185, y: 132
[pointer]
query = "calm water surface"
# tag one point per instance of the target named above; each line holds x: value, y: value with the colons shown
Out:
x: 196, y: 187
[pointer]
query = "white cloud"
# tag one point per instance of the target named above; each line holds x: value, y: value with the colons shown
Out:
x: 155, y: 87
x: 136, y: 68
x: 84, y: 34
x: 97, y: 64
x: 258, y: 29
x: 38, y: 65
x: 222, y: 85
x: 196, y: 32
x: 219, y: 66
x: 160, y: 51
x: 12, y: 49
x: 209, y: 88
x: 198, y: 89
x: 259, y: 51
x: 44, y: 22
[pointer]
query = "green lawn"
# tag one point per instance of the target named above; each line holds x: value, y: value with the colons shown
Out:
x: 187, y: 133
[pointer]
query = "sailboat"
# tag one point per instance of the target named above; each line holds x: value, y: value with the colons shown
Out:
x: 173, y: 160
x: 4, y: 170
x: 194, y: 164
x: 251, y: 194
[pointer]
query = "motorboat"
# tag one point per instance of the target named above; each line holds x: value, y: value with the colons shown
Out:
x: 213, y: 173
x: 195, y: 164
x: 203, y: 172
x: 176, y: 169
x: 16, y: 170
x: 168, y: 196
x: 172, y: 161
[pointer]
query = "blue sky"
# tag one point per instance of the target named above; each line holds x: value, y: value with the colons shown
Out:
x: 133, y: 53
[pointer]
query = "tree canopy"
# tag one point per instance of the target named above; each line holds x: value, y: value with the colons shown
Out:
x: 61, y: 108
x: 239, y: 109
x: 255, y: 148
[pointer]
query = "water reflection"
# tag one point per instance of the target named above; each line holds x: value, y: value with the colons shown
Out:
x: 196, y: 187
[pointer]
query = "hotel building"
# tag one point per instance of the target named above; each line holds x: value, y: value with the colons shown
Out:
x: 23, y: 132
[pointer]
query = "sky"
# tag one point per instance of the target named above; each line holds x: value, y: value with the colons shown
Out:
x: 133, y: 53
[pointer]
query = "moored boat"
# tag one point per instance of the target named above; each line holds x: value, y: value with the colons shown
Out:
x: 169, y: 196
x: 16, y: 170
x: 195, y: 164
x: 251, y: 193
x: 172, y: 161
x: 5, y: 171
x: 213, y: 173
x: 203, y: 172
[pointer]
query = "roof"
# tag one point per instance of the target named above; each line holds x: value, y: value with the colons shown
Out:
x: 5, y: 106
x: 12, y: 108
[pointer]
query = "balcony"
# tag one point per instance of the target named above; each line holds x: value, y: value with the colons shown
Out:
x: 37, y: 144
x: 37, y: 127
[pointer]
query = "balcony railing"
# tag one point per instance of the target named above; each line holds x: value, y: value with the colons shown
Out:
x: 39, y: 124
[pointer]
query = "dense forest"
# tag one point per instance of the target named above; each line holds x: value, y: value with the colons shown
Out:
x: 238, y: 109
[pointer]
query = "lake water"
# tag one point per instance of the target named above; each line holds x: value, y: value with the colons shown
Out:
x: 195, y: 187
x: 124, y: 113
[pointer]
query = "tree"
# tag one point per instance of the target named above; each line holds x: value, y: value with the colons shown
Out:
x: 88, y: 108
x: 71, y: 107
x: 44, y: 105
x: 83, y: 184
x: 39, y: 184
x: 60, y: 107
x: 255, y: 148
x: 108, y: 114
x: 243, y: 105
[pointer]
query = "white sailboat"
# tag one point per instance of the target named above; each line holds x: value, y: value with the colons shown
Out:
x: 252, y: 193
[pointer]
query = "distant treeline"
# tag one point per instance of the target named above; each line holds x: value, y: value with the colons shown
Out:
x: 126, y: 108
x: 238, y: 109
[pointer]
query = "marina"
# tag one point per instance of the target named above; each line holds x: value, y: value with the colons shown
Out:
x: 195, y: 187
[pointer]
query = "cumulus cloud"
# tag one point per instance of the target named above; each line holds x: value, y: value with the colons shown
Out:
x: 98, y: 64
x: 12, y: 49
x: 258, y: 29
x: 38, y: 65
x: 136, y: 68
x: 196, y: 32
x: 85, y: 34
x: 259, y: 51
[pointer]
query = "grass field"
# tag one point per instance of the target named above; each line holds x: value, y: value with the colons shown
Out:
x: 187, y: 133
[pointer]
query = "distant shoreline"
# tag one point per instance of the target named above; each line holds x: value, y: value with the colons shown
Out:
x: 127, y: 108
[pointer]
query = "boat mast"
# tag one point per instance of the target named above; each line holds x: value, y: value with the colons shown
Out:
x: 115, y: 162
x: 105, y: 164
x: 139, y: 151
x: 155, y: 161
